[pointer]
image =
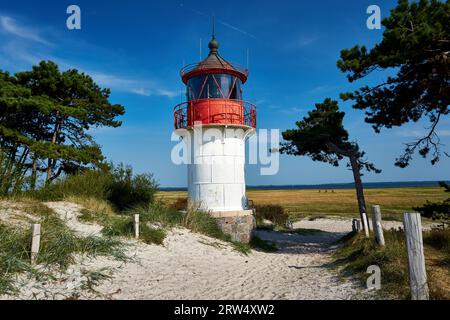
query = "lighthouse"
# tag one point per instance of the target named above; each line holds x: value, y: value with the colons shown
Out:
x: 215, y: 122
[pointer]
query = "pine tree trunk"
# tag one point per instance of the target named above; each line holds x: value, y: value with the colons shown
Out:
x: 51, y: 162
x: 358, y: 186
x: 33, y: 173
x: 49, y: 171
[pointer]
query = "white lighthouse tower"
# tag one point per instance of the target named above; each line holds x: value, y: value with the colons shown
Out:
x: 215, y: 122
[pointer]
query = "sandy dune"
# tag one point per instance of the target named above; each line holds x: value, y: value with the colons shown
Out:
x: 192, y: 266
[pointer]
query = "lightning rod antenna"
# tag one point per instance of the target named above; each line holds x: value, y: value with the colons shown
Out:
x: 248, y: 57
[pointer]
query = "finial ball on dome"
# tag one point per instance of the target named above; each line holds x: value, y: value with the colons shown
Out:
x: 213, y: 44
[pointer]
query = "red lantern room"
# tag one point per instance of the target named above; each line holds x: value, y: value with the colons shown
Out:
x: 214, y: 93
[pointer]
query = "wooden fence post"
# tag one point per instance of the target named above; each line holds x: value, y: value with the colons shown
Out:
x: 416, y: 259
x: 365, y: 224
x: 136, y: 226
x: 377, y: 227
x: 356, y: 225
x: 35, y: 241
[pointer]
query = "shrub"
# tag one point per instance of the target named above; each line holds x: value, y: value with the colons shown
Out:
x: 274, y: 213
x: 118, y: 186
x: 89, y: 184
x: 127, y: 191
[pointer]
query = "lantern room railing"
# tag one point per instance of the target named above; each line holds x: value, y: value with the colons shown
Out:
x: 215, y: 111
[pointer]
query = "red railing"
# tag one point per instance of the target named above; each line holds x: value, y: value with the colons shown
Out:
x: 214, y: 111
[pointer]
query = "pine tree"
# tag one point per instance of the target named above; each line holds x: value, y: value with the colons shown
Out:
x: 322, y: 137
x: 45, y: 116
x: 416, y: 48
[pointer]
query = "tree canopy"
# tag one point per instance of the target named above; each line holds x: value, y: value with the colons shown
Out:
x: 416, y: 48
x: 322, y: 136
x: 45, y: 115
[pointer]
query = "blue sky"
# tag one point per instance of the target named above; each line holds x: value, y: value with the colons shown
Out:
x: 136, y: 48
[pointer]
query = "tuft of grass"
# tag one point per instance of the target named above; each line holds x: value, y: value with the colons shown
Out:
x: 123, y: 226
x: 87, y: 216
x: 94, y: 278
x: 158, y: 213
x: 151, y: 235
x: 100, y: 207
x: 358, y: 253
x: 202, y: 222
x: 98, y: 246
x: 241, y: 247
x: 58, y: 243
x: 118, y: 226
x: 14, y: 256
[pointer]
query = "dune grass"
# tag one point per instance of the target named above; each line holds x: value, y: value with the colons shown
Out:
x: 58, y: 247
x: 358, y: 253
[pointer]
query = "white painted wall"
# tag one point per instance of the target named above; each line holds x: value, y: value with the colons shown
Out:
x: 216, y: 178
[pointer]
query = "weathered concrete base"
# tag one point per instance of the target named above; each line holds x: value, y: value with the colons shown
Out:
x: 238, y: 224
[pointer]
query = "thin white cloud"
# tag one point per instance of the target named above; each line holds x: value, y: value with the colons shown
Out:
x: 291, y: 111
x: 323, y: 89
x: 236, y: 29
x: 300, y: 42
x: 141, y: 87
x: 141, y: 91
x: 21, y: 47
x: 10, y: 25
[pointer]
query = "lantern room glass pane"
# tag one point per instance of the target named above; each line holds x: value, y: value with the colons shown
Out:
x: 230, y: 87
x: 211, y: 90
x: 194, y: 86
x: 236, y: 91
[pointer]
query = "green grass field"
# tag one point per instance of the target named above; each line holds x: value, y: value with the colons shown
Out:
x: 312, y: 203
